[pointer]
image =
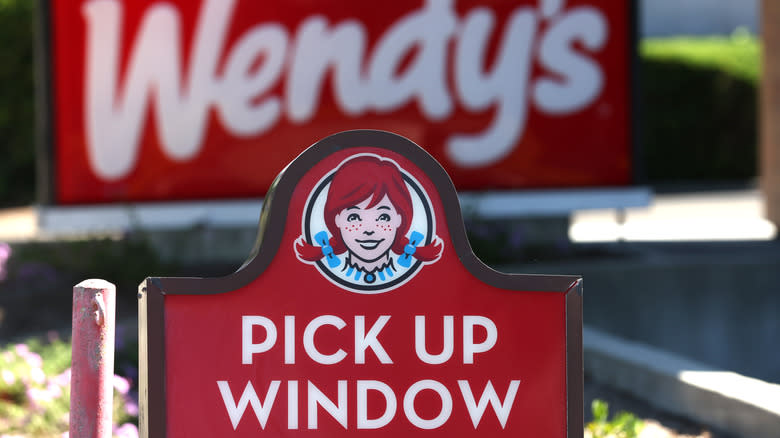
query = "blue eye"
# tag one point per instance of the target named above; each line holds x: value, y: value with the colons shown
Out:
x: 353, y: 217
x: 384, y: 217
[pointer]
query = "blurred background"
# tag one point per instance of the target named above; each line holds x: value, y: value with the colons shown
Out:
x: 668, y: 203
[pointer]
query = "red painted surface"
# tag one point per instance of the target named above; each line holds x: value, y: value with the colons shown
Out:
x: 203, y: 345
x: 92, y: 370
x: 578, y: 146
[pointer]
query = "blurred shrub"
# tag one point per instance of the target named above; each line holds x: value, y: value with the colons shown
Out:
x: 622, y: 425
x: 698, y: 108
x: 17, y: 155
x: 35, y: 391
x: 40, y: 276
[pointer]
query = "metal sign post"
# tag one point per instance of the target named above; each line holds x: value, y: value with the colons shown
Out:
x: 92, y: 370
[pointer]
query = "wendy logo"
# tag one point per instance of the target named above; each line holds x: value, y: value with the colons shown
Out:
x: 368, y: 226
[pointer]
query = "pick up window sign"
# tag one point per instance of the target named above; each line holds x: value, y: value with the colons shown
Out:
x: 194, y: 99
x: 363, y: 308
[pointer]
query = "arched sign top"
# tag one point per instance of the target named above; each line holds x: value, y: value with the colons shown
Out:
x: 344, y: 318
x: 427, y: 184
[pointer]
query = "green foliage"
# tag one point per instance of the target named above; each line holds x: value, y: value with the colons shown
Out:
x: 17, y: 163
x: 35, y: 390
x: 698, y: 107
x: 622, y: 425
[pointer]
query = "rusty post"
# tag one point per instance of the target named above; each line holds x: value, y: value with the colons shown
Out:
x: 92, y: 370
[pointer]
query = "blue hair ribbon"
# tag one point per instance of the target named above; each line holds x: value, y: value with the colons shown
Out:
x: 327, y: 251
x: 415, y: 239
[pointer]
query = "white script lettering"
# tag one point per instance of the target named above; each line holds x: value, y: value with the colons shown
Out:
x: 408, y: 64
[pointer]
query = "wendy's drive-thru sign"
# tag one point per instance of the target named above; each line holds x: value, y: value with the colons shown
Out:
x: 361, y: 310
x: 196, y: 100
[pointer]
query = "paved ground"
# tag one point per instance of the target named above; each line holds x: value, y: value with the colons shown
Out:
x: 692, y: 216
x: 689, y: 216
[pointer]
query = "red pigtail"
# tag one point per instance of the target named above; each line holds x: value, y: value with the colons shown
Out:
x: 312, y: 253
x: 427, y: 253
x: 306, y: 251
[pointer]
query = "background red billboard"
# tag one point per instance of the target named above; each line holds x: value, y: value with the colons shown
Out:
x: 187, y: 100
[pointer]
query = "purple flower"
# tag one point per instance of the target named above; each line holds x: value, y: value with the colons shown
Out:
x: 127, y: 430
x: 54, y: 390
x: 36, y: 396
x: 21, y: 349
x: 8, y: 377
x: 63, y: 379
x: 5, y: 254
x: 32, y: 359
x: 131, y: 406
x: 37, y: 375
x: 121, y: 384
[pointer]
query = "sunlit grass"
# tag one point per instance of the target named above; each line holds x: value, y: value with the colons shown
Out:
x: 738, y: 54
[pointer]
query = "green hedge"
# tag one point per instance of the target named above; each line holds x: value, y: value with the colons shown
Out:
x: 697, y: 107
x: 17, y: 159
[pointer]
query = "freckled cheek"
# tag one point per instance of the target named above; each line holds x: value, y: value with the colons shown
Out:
x: 352, y: 228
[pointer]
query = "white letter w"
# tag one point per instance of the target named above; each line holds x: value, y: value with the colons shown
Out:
x: 476, y: 410
x: 236, y: 411
x: 114, y: 118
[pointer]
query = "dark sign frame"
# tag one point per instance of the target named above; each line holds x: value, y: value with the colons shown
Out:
x: 152, y: 291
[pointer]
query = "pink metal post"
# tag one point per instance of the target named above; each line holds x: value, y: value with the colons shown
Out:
x: 92, y: 370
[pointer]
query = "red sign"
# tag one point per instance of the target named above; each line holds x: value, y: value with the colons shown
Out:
x: 180, y: 99
x: 362, y: 309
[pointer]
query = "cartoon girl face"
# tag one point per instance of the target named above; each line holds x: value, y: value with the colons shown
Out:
x: 369, y: 232
x: 368, y: 226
